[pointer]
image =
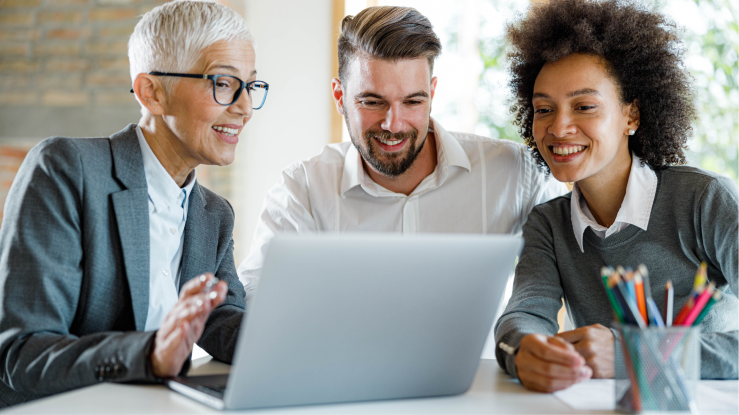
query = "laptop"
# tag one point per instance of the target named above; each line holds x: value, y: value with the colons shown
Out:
x: 359, y: 317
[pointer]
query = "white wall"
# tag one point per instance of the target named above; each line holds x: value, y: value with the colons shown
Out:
x: 293, y: 41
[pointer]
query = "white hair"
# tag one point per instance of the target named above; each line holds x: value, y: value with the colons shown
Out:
x: 171, y: 37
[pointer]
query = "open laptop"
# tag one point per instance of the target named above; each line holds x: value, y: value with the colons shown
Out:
x: 357, y: 317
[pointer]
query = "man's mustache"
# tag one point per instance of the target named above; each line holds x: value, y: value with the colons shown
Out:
x: 387, y: 135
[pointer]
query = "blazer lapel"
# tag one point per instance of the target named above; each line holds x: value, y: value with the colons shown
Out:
x: 201, y: 238
x: 132, y: 216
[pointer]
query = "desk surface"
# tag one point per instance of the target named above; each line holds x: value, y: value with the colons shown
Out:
x: 492, y: 392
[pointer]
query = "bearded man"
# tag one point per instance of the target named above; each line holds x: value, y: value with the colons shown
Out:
x: 402, y: 172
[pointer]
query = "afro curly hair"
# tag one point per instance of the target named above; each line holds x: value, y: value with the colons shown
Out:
x: 642, y: 52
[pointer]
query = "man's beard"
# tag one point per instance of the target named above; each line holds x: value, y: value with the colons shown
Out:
x: 397, y: 163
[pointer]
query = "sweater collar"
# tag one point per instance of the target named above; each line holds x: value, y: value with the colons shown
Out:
x: 635, y: 208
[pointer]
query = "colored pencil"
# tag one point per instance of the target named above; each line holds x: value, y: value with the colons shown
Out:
x: 701, y: 276
x: 631, y: 308
x: 605, y: 272
x: 647, y: 290
x: 613, y: 281
x: 641, y: 300
x: 669, y: 298
x: 688, y: 306
x: 714, y: 298
x: 654, y: 313
x: 699, y: 304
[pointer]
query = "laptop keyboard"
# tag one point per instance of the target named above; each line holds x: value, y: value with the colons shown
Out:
x: 219, y: 389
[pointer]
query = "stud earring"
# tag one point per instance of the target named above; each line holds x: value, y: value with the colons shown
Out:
x: 631, y: 132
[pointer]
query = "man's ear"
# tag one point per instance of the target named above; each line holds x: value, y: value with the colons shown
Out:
x: 150, y: 93
x: 432, y: 92
x: 337, y: 92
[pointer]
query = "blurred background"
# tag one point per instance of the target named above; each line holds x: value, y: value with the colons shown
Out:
x: 64, y: 71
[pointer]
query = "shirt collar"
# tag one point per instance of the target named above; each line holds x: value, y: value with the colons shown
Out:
x: 448, y: 150
x: 163, y: 190
x: 635, y: 208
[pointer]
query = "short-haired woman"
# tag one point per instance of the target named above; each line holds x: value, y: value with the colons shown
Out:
x: 604, y: 100
x: 107, y: 243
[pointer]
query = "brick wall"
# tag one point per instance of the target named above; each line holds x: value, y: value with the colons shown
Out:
x: 64, y: 71
x: 67, y: 53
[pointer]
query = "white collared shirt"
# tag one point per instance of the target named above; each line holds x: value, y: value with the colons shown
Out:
x: 635, y: 208
x: 167, y: 218
x: 480, y: 185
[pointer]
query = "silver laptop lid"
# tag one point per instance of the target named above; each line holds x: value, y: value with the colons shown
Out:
x: 355, y: 317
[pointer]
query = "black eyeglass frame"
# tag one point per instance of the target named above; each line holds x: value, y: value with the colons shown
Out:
x: 214, y: 78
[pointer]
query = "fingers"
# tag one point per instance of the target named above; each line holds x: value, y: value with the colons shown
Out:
x: 547, y: 384
x: 573, y: 336
x: 548, y: 364
x: 553, y: 350
x: 195, y: 285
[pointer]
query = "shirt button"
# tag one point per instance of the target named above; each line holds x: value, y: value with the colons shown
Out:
x: 165, y: 272
x: 173, y: 230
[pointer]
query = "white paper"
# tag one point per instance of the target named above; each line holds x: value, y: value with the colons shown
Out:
x: 592, y: 395
x: 714, y: 396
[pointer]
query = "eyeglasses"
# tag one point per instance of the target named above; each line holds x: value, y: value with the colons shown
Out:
x: 227, y: 89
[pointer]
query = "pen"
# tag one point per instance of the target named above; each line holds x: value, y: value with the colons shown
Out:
x: 669, y: 295
x: 506, y: 348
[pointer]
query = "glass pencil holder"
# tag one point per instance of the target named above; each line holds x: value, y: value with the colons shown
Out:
x: 657, y: 369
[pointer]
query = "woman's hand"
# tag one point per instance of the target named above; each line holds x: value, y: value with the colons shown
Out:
x: 184, y: 325
x: 595, y: 344
x: 549, y: 364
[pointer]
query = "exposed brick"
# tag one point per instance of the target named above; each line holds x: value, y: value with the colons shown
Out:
x: 107, y: 48
x: 110, y: 15
x: 14, y: 98
x: 115, y: 98
x: 65, y: 3
x: 13, y: 49
x: 69, y: 33
x: 18, y: 66
x: 66, y: 98
x: 117, y: 64
x: 60, y: 17
x: 108, y: 79
x: 15, y: 81
x: 56, y: 80
x: 56, y: 49
x: 13, y: 152
x: 116, y: 31
x: 16, y: 19
x: 19, y: 35
x: 9, y: 169
x: 19, y: 3
x: 67, y: 65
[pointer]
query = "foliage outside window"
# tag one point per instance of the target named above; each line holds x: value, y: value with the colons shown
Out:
x: 711, y: 38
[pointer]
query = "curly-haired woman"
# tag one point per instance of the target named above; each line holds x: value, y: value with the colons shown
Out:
x: 603, y: 99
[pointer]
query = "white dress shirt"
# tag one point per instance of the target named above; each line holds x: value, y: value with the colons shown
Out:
x: 480, y: 185
x: 635, y: 208
x: 167, y: 218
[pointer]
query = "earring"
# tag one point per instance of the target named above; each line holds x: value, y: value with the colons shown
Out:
x: 155, y: 110
x: 631, y: 132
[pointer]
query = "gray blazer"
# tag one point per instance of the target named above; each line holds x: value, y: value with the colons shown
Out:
x: 74, y: 268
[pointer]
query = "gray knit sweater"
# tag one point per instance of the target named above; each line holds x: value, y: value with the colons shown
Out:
x: 693, y: 219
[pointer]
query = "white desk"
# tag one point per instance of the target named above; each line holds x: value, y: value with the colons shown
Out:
x: 492, y: 392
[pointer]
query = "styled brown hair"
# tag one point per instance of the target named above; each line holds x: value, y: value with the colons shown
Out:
x: 387, y: 32
x: 642, y: 52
